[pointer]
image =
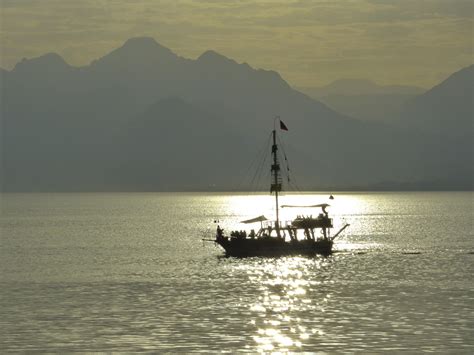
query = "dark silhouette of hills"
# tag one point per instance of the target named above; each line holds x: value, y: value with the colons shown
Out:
x: 143, y: 118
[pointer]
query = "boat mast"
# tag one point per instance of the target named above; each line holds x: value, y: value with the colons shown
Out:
x: 276, y: 184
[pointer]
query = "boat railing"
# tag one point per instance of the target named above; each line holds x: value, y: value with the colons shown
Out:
x: 272, y: 224
x: 306, y: 222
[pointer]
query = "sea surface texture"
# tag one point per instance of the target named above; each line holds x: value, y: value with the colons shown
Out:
x: 129, y: 272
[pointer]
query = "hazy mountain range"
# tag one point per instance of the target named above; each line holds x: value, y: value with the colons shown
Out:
x: 351, y: 87
x: 364, y: 99
x: 144, y: 118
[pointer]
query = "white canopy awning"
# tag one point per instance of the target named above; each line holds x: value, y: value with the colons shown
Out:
x: 256, y: 219
x: 322, y: 205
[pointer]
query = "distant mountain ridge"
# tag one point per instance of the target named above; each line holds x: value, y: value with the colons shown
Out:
x: 350, y: 87
x: 144, y: 118
x: 448, y: 107
x: 364, y: 99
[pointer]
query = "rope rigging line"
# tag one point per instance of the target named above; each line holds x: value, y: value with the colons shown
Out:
x: 260, y: 167
x: 261, y: 170
x: 292, y: 183
x: 257, y: 157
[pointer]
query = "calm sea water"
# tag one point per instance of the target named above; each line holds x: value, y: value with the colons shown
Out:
x: 129, y: 272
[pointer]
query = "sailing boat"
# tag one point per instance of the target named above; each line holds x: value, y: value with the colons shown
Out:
x: 275, y: 238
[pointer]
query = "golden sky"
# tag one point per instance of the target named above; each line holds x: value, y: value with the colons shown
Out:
x: 309, y: 42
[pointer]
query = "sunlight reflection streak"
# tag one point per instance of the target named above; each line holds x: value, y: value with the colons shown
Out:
x: 285, y: 296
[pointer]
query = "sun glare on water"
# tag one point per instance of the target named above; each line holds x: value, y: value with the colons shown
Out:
x: 285, y: 296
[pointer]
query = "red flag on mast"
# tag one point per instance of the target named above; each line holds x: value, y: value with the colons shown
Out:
x: 283, y: 126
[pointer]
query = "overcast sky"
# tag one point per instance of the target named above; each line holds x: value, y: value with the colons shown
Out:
x: 310, y: 43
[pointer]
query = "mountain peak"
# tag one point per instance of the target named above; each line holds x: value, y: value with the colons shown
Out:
x: 145, y: 46
x: 213, y: 57
x: 136, y: 51
x: 47, y: 62
x: 141, y: 43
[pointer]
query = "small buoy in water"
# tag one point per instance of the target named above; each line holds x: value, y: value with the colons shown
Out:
x: 331, y: 197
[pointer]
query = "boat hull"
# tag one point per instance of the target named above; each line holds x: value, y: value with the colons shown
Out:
x: 273, y: 247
